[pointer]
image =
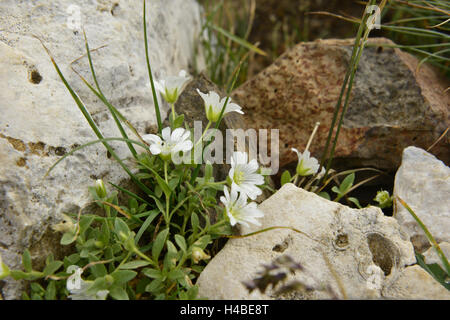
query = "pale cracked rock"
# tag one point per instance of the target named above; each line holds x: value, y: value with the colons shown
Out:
x: 423, y: 182
x: 39, y: 121
x: 356, y: 242
x: 415, y: 283
x: 432, y: 257
x: 391, y: 106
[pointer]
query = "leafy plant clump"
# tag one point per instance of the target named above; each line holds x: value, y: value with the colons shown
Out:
x: 156, y: 245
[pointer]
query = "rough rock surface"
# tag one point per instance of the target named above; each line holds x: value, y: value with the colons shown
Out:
x: 356, y: 242
x: 415, y: 283
x: 390, y: 108
x: 431, y: 255
x: 423, y: 182
x: 40, y: 122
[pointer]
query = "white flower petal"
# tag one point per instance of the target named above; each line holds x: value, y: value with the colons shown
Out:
x: 155, y: 149
x: 177, y: 134
x: 151, y: 138
x: 166, y: 133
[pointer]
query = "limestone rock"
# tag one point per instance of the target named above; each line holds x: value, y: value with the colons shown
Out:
x: 40, y: 122
x: 367, y: 250
x: 423, y: 182
x: 431, y: 255
x: 415, y: 283
x: 391, y: 106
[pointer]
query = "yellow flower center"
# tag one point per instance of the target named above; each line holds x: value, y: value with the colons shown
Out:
x: 238, y: 177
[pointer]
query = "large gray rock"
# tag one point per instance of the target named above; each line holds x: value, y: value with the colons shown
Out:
x: 367, y: 250
x: 423, y: 182
x: 39, y: 121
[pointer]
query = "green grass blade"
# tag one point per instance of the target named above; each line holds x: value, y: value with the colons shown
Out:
x: 104, y: 100
x: 87, y: 145
x: 428, y: 235
x: 131, y: 194
x: 238, y: 40
x: 155, y: 98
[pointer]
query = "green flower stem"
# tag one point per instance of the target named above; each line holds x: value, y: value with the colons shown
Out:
x: 143, y: 256
x: 167, y: 215
x: 208, y: 229
x: 165, y: 172
x: 123, y: 261
x: 183, y: 228
x: 203, y: 134
x: 172, y: 106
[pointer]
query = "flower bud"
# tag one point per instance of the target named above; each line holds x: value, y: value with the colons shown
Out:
x: 66, y: 226
x: 384, y: 199
x: 109, y: 279
x: 100, y: 189
x: 198, y: 255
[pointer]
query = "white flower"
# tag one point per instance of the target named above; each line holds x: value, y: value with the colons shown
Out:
x: 243, y: 175
x: 78, y: 287
x: 306, y: 165
x: 214, y: 105
x: 172, y: 86
x: 171, y: 142
x: 238, y: 210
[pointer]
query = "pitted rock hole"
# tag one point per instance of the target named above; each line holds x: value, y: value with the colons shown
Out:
x: 384, y: 253
x: 34, y: 76
x: 341, y: 240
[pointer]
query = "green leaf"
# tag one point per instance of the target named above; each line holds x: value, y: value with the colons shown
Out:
x: 208, y: 172
x: 118, y: 293
x: 181, y: 242
x: 325, y: 195
x: 336, y: 190
x: 98, y: 270
x: 98, y: 285
x: 37, y: 288
x: 145, y: 225
x: 18, y: 275
x: 159, y: 205
x: 355, y: 201
x: 50, y: 293
x: 134, y: 264
x: 26, y: 261
x: 121, y: 229
x: 203, y: 242
x: 123, y: 276
x: 175, y: 274
x: 155, y: 286
x: 152, y: 273
x: 158, y: 191
x: 171, y: 249
x: 85, y: 223
x: 347, y: 183
x: 194, y: 222
x: 178, y: 121
x: 159, y: 244
x: 173, y: 183
x: 285, y: 177
x: 52, y: 268
x: 162, y: 183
